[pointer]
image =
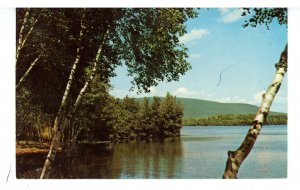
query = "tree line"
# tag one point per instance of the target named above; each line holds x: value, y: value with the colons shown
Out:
x: 102, y: 117
x: 231, y: 119
x: 128, y: 119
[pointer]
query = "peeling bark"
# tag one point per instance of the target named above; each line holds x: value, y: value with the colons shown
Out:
x: 236, y: 158
x: 57, y: 130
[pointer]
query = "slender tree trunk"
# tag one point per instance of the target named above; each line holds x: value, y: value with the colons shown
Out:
x: 57, y: 132
x: 27, y: 72
x: 235, y: 158
x: 22, y: 37
x: 90, y: 79
x: 67, y: 121
x: 21, y: 33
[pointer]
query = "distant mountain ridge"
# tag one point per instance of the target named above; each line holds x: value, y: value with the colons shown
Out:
x: 197, y: 108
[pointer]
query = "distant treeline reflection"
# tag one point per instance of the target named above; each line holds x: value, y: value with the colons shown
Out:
x: 228, y: 120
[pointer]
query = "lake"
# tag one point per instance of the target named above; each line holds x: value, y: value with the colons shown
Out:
x: 200, y: 153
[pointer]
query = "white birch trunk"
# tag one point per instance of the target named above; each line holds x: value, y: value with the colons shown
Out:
x: 235, y: 158
x: 67, y: 120
x: 22, y: 37
x: 91, y: 77
x: 57, y: 129
x: 23, y: 78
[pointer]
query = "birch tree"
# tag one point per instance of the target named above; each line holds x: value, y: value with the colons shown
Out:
x: 26, y: 30
x: 144, y: 40
x: 59, y: 117
x: 28, y: 23
x: 236, y: 158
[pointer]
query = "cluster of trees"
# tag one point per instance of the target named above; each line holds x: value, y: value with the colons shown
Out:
x: 102, y: 117
x: 127, y: 119
x: 59, y: 53
x: 231, y: 119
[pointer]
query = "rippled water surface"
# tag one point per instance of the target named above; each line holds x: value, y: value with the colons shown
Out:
x: 199, y: 153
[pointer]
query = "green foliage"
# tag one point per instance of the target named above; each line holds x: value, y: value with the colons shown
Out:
x: 95, y: 115
x: 31, y: 122
x: 172, y: 113
x: 150, y: 44
x: 145, y: 40
x: 143, y: 120
x: 230, y: 119
x: 260, y: 16
x: 103, y: 117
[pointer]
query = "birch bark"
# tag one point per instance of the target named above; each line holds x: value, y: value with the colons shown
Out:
x: 236, y: 158
x: 57, y: 132
x: 22, y: 37
x: 21, y: 33
x: 23, y: 78
x: 59, y: 125
x: 67, y: 120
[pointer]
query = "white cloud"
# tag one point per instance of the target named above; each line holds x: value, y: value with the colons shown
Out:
x: 224, y: 10
x: 230, y: 15
x: 122, y: 93
x: 182, y: 91
x: 235, y: 99
x: 153, y: 90
x: 186, y: 93
x: 195, y: 34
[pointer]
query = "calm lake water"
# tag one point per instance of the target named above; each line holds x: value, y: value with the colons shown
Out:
x: 199, y: 153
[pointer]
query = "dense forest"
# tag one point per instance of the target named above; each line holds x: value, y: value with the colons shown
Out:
x: 230, y: 119
x: 103, y: 117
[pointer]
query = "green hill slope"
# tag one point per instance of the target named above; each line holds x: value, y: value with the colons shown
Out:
x: 195, y: 108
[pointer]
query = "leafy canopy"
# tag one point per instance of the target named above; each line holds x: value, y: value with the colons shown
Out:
x: 265, y: 16
x: 145, y: 40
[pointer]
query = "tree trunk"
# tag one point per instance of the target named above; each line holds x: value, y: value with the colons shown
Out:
x: 27, y: 72
x: 21, y: 33
x: 56, y: 127
x: 89, y: 80
x: 235, y: 158
x: 59, y: 128
x: 68, y: 120
x: 23, y: 38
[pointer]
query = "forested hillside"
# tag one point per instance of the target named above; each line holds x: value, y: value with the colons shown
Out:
x: 197, y: 108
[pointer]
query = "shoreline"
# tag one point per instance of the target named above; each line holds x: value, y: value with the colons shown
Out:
x: 226, y: 125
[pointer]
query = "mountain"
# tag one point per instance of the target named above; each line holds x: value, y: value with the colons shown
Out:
x: 196, y: 108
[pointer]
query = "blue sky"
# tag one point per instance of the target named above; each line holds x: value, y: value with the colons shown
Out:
x: 217, y: 42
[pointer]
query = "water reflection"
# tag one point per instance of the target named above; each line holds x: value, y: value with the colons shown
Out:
x: 199, y: 153
x: 128, y: 160
x: 148, y: 160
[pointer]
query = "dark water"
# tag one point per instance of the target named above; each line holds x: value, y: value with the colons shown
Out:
x: 199, y: 153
